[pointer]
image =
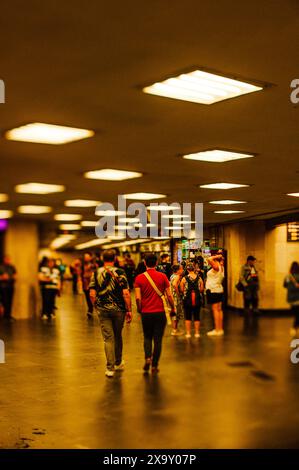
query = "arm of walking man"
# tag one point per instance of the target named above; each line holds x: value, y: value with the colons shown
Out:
x: 138, y: 298
x: 127, y: 299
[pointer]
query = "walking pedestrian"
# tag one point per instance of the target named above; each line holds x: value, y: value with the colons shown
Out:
x: 8, y: 276
x: 291, y: 283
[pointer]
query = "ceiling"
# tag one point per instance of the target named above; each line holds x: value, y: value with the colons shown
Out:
x: 83, y: 65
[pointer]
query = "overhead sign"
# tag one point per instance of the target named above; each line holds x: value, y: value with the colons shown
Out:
x: 293, y: 232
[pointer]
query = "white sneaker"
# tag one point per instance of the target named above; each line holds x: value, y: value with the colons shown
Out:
x: 212, y: 333
x: 109, y: 373
x: 121, y: 366
x: 220, y: 332
x: 187, y: 335
x: 197, y: 335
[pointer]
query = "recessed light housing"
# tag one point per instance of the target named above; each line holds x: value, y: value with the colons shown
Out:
x: 202, y: 87
x: 38, y: 132
x: 109, y: 213
x: 112, y: 175
x: 69, y: 227
x: 39, y: 188
x: 223, y: 186
x: 228, y: 212
x: 32, y: 209
x: 67, y: 217
x: 175, y: 216
x: 293, y: 194
x: 81, y: 203
x: 6, y: 214
x: 144, y: 196
x: 217, y: 156
x: 89, y: 223
x: 227, y: 202
x: 3, y: 197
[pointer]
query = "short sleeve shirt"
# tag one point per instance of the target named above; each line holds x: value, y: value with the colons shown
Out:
x: 109, y: 287
x: 150, y: 300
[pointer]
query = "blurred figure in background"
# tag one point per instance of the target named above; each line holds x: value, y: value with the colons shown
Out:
x: 192, y: 286
x: 75, y: 269
x: 250, y: 281
x: 141, y: 268
x: 165, y: 266
x: 49, y: 277
x: 88, y: 268
x: 62, y: 268
x: 291, y: 283
x: 175, y: 280
x: 129, y: 267
x: 8, y: 276
x: 215, y: 292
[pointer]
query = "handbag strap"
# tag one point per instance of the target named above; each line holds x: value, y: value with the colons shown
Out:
x: 152, y: 283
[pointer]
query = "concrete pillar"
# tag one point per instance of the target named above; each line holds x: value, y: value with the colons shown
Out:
x: 22, y: 244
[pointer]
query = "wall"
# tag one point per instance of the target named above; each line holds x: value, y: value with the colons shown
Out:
x: 274, y: 256
x: 21, y: 244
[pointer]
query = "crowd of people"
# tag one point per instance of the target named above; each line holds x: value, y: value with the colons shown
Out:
x: 163, y: 293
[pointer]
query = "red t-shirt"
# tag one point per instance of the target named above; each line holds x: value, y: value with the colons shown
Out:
x: 150, y: 300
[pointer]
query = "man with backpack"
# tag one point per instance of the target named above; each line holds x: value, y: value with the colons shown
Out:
x: 110, y: 293
x: 192, y: 287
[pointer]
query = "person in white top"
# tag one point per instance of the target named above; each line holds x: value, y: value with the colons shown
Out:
x: 214, y: 290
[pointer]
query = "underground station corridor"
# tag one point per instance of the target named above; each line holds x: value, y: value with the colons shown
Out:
x: 239, y: 391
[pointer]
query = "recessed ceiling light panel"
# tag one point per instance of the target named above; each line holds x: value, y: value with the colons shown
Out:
x: 227, y: 202
x: 39, y: 188
x: 81, y: 203
x: 112, y: 175
x: 3, y: 197
x: 201, y: 87
x: 38, y: 132
x: 31, y: 209
x: 67, y: 217
x: 223, y: 186
x: 144, y: 196
x: 217, y: 156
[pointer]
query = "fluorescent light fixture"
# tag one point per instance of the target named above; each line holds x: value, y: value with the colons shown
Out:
x: 293, y: 194
x: 112, y: 175
x: 128, y: 219
x: 160, y: 207
x: 67, y: 217
x: 228, y: 212
x: 109, y: 213
x: 69, y: 227
x: 144, y: 196
x: 175, y: 216
x: 217, y: 156
x: 39, y: 188
x: 184, y: 222
x: 89, y: 223
x: 41, y: 133
x: 173, y: 228
x: 201, y: 87
x: 34, y: 209
x: 6, y: 214
x: 223, y: 186
x: 61, y: 241
x: 3, y: 197
x: 91, y: 243
x: 81, y: 203
x: 227, y: 202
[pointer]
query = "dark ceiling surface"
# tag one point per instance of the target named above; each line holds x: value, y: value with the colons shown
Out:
x: 82, y: 64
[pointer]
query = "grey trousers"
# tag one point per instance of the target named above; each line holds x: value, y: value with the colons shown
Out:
x: 112, y: 322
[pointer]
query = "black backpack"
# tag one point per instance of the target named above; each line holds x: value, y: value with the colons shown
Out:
x: 192, y: 296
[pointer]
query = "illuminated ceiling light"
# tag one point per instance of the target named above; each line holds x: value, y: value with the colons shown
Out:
x: 201, y: 87
x: 67, y: 217
x: 42, y: 133
x: 91, y: 243
x: 144, y: 196
x: 227, y: 202
x: 39, y: 188
x: 34, y: 209
x: 161, y: 238
x: 223, y: 186
x: 175, y: 216
x: 228, y: 212
x: 128, y: 219
x: 173, y: 228
x: 184, y: 222
x: 109, y: 213
x: 6, y: 214
x: 217, y: 156
x: 81, y: 203
x: 89, y: 223
x: 61, y: 241
x: 112, y: 175
x: 160, y: 207
x: 3, y: 197
x: 293, y: 194
x: 69, y: 227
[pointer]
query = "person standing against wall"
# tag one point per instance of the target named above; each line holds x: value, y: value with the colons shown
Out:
x: 215, y: 292
x: 250, y: 281
x: 8, y: 275
x: 291, y: 283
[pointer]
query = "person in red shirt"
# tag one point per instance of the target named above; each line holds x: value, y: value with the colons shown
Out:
x: 150, y: 305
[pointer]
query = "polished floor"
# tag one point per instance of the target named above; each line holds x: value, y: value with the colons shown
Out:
x: 240, y: 391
